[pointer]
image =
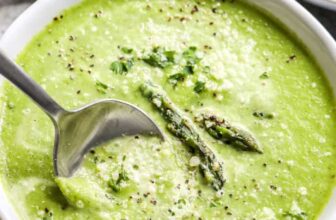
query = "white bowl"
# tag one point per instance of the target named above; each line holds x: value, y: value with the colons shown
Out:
x: 299, y: 21
x: 328, y: 4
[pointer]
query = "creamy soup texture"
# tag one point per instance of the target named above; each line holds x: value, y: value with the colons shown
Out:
x: 248, y: 116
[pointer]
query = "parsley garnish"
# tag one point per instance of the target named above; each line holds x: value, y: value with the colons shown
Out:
x: 101, y: 87
x: 175, y: 78
x: 122, y: 66
x: 199, y: 87
x: 171, y: 56
x: 190, y: 55
x: 263, y: 115
x: 189, y: 69
x: 127, y: 50
x: 117, y: 67
x: 160, y: 58
x: 115, y: 184
x: 264, y: 76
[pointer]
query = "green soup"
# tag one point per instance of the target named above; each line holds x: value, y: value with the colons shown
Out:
x: 221, y: 58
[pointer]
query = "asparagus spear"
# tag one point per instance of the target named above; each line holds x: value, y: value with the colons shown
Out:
x: 210, y: 167
x: 222, y: 130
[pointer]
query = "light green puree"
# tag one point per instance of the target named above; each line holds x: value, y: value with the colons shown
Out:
x: 246, y: 69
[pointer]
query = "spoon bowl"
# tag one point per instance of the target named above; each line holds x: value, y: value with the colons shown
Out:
x: 79, y: 131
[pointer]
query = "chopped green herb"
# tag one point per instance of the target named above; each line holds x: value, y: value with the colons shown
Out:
x: 127, y: 50
x: 263, y: 115
x: 128, y: 64
x: 175, y: 78
x: 122, y: 66
x: 264, y: 76
x: 160, y: 58
x: 116, y: 184
x: 181, y: 76
x: 101, y: 87
x: 171, y: 56
x: 113, y: 186
x: 199, y: 87
x: 156, y: 60
x: 182, y: 201
x: 189, y: 69
x: 214, y: 203
x: 190, y: 55
x: 117, y: 67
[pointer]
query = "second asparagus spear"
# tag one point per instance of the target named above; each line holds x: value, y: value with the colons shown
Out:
x: 224, y: 131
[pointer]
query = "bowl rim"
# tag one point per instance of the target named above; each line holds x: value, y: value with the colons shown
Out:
x: 12, y: 43
x: 327, y: 4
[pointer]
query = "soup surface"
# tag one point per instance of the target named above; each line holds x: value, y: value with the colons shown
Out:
x: 248, y: 116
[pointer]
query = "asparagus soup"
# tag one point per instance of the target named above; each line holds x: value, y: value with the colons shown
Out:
x: 247, y: 114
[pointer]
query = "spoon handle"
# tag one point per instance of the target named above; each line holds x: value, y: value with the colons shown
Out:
x: 21, y: 80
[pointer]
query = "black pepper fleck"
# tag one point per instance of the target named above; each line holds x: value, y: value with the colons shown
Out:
x: 194, y: 10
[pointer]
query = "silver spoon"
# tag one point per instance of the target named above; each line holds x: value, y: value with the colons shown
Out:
x: 78, y: 131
